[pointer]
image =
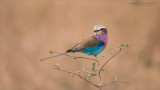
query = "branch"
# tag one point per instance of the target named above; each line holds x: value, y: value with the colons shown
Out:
x: 99, y: 76
x: 98, y: 72
x: 108, y: 54
x: 87, y: 71
x: 77, y: 74
x: 116, y: 82
x: 75, y: 57
x: 121, y: 48
x: 109, y: 59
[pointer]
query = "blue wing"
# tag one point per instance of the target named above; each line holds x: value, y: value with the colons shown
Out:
x: 96, y: 50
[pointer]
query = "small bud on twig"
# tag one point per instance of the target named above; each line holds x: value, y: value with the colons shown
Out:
x: 51, y: 51
x: 57, y: 66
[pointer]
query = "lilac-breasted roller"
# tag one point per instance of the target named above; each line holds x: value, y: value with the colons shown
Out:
x: 94, y: 45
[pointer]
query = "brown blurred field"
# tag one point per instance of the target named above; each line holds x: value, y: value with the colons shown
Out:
x: 30, y: 28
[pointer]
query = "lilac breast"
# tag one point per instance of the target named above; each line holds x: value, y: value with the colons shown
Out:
x: 102, y: 37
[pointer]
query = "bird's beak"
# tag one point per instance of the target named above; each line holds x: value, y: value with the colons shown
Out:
x: 96, y: 30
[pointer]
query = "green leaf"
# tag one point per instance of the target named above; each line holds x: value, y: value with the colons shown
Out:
x: 93, y: 68
x: 57, y: 65
x: 115, y: 78
x: 51, y: 51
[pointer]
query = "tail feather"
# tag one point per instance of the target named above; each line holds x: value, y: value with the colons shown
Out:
x: 54, y: 56
x: 71, y: 50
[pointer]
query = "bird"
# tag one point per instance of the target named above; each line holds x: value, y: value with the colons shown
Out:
x: 93, y: 45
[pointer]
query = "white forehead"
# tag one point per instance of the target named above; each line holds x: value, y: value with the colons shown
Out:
x: 98, y: 27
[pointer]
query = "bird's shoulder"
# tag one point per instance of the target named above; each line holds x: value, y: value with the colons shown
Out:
x: 89, y: 42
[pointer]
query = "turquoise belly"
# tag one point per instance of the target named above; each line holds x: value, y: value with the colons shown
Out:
x: 96, y: 50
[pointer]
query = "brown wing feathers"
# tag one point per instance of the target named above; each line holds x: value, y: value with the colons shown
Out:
x: 90, y: 42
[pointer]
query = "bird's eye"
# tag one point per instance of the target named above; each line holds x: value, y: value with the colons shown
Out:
x: 101, y: 28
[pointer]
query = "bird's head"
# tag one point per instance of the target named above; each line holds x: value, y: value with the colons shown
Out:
x: 98, y: 29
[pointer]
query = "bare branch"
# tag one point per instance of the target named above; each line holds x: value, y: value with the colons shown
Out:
x: 110, y: 59
x: 75, y: 57
x: 120, y: 49
x: 116, y: 82
x: 104, y: 56
x: 87, y: 71
x: 99, y: 76
x: 99, y: 67
x: 77, y: 74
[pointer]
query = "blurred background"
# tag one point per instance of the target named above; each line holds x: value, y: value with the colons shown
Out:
x: 30, y: 28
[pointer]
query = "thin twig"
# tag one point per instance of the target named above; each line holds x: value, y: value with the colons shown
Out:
x: 87, y: 71
x: 77, y: 74
x: 109, y: 59
x: 116, y: 82
x: 99, y: 76
x: 100, y: 85
x: 108, y: 54
x: 120, y: 49
x: 75, y: 57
